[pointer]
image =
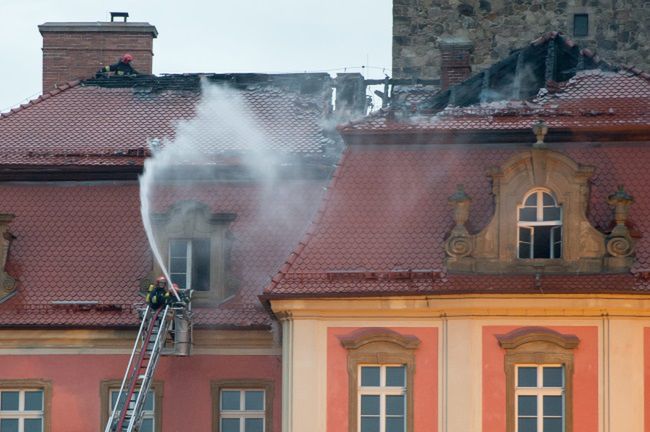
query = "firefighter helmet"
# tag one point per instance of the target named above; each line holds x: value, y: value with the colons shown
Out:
x: 126, y: 58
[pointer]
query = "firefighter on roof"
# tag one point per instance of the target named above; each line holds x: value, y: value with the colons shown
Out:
x: 122, y: 67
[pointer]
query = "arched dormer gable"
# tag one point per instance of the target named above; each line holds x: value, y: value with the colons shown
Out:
x: 496, y: 249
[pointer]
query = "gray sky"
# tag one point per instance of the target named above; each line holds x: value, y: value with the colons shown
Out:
x: 211, y: 36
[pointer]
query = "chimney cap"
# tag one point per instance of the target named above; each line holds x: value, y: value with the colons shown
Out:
x: 124, y: 15
x: 102, y: 27
x: 456, y: 42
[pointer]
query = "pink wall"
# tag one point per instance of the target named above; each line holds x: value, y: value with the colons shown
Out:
x: 425, y: 379
x: 585, y: 378
x: 76, y: 381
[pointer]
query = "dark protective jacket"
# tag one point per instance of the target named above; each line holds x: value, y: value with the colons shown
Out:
x: 119, y: 68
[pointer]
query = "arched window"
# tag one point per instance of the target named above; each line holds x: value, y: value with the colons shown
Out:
x: 540, y: 226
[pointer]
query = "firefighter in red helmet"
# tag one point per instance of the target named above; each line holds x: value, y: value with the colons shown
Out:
x: 122, y: 67
x: 158, y: 294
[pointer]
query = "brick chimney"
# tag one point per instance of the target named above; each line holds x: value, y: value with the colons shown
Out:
x: 455, y: 60
x: 76, y: 50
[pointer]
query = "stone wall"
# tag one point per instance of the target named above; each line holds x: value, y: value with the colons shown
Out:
x: 618, y: 30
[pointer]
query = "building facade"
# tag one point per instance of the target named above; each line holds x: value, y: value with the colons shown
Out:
x: 479, y: 265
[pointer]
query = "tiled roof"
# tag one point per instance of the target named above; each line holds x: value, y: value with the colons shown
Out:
x: 84, y: 243
x: 110, y: 121
x: 385, y: 218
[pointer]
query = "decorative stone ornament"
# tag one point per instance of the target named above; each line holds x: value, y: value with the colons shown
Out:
x: 7, y: 283
x: 459, y: 244
x: 494, y: 249
x: 540, y: 130
x: 619, y: 243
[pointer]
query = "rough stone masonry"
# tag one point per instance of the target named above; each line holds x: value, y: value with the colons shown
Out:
x: 616, y: 29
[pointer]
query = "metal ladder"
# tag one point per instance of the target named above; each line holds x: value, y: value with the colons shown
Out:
x: 126, y: 415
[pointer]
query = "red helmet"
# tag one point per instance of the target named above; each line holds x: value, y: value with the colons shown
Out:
x: 126, y: 58
x: 162, y: 280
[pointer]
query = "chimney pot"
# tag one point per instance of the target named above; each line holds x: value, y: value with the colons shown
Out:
x: 124, y: 15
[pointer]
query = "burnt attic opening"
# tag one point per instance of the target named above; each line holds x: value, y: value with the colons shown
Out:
x: 551, y: 58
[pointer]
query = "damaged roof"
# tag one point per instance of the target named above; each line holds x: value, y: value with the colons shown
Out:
x: 552, y: 79
x: 79, y: 254
x: 385, y: 218
x: 110, y: 121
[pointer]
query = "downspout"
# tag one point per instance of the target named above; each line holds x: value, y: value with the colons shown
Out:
x: 287, y: 374
x: 605, y: 416
x: 444, y: 382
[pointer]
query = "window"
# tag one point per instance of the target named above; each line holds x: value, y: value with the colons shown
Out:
x: 540, y: 227
x: 22, y: 410
x: 148, y: 418
x: 581, y: 25
x: 381, y: 367
x: 196, y: 244
x: 382, y: 398
x: 189, y: 263
x: 242, y: 410
x: 539, y: 395
x: 533, y: 229
x: 242, y: 406
x: 539, y: 379
x: 152, y: 418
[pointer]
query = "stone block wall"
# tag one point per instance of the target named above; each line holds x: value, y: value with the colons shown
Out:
x: 618, y: 30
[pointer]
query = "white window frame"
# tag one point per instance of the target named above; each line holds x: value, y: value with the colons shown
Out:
x: 382, y: 391
x: 539, y: 222
x: 242, y: 414
x: 188, y: 260
x: 146, y: 414
x: 21, y: 415
x: 540, y: 392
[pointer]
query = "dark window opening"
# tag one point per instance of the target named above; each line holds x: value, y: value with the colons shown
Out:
x: 581, y: 25
x: 540, y: 227
x: 189, y: 263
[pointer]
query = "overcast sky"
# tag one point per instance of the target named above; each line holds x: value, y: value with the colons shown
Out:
x: 211, y: 36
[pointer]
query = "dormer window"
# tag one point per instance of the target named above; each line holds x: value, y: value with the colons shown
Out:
x: 539, y: 227
x: 195, y: 244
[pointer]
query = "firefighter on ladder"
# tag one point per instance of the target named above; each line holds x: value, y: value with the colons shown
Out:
x: 158, y: 294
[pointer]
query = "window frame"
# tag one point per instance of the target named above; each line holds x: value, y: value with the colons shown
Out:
x: 378, y: 346
x: 216, y: 387
x: 189, y: 220
x: 107, y: 386
x: 382, y: 391
x: 540, y: 222
x: 539, y: 391
x: 189, y: 269
x: 23, y: 385
x: 537, y: 346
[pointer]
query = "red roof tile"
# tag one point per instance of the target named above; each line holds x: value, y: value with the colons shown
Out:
x: 84, y: 242
x: 91, y: 124
x: 387, y: 213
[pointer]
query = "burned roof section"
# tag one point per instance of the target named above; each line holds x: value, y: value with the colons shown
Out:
x: 552, y: 58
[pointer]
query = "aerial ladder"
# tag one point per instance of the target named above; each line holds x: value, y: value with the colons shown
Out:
x: 156, y: 325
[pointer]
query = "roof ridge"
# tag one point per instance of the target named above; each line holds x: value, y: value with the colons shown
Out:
x: 293, y: 256
x: 60, y: 89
